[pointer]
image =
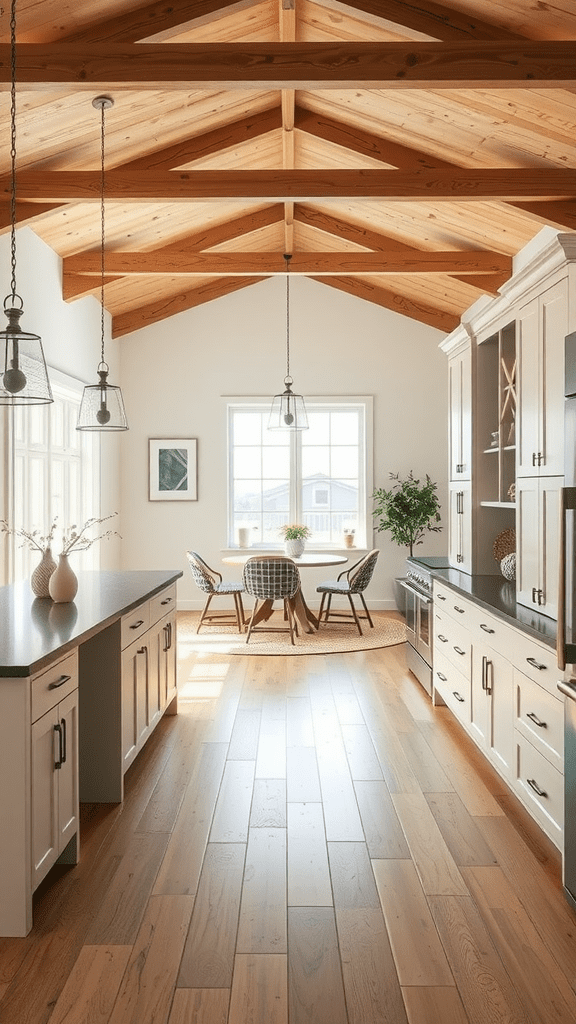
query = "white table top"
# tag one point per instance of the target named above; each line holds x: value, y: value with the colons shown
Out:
x: 308, y: 559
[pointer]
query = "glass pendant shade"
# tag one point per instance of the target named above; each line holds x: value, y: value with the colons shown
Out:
x: 23, y: 375
x: 102, y: 406
x: 288, y: 410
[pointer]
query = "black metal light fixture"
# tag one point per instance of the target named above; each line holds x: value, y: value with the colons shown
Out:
x: 23, y: 374
x: 288, y: 410
x: 102, y: 406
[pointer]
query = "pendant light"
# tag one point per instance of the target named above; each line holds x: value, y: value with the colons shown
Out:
x: 288, y: 410
x: 23, y: 375
x: 102, y: 406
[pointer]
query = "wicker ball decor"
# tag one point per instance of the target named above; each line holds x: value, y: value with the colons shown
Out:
x: 508, y: 566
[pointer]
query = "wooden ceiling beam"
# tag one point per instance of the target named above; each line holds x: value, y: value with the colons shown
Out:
x: 25, y: 213
x: 432, y: 19
x: 366, y: 65
x: 480, y: 185
x: 423, y: 312
x: 244, y: 264
x: 145, y: 316
x: 151, y: 19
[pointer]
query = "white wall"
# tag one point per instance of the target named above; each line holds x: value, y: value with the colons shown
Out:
x: 70, y: 335
x: 174, y: 373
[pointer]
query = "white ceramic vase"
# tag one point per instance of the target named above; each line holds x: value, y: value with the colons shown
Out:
x: 40, y: 578
x: 63, y: 584
x: 294, y: 548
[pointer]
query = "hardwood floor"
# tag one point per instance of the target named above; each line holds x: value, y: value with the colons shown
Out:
x: 307, y: 842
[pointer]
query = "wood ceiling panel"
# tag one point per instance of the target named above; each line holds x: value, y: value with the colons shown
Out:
x: 319, y: 22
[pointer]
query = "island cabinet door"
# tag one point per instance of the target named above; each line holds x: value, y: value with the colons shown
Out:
x: 54, y: 784
x: 135, y: 721
x: 168, y: 660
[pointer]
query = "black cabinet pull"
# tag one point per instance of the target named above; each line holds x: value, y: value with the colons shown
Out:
x: 534, y: 785
x: 442, y: 677
x: 166, y: 600
x: 136, y: 625
x: 60, y: 682
x: 167, y: 636
x: 458, y: 697
x: 534, y: 718
x: 441, y: 597
x: 535, y: 664
x: 459, y: 650
x: 442, y: 639
x: 58, y: 729
x: 64, y: 745
x: 142, y: 650
x: 486, y: 628
x: 459, y: 610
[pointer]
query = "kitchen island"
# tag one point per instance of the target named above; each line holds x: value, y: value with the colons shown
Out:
x: 82, y: 686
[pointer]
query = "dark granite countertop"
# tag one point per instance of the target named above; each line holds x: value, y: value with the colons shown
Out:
x: 35, y: 630
x: 497, y: 595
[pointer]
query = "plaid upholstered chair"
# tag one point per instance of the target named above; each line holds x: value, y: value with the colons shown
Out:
x: 210, y: 581
x: 271, y: 578
x: 357, y: 578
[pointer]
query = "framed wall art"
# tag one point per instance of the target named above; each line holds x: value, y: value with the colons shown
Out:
x: 173, y: 469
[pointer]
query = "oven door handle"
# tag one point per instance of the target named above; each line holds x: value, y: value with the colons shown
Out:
x: 417, y: 593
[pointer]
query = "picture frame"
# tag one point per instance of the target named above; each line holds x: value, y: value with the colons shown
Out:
x: 173, y: 469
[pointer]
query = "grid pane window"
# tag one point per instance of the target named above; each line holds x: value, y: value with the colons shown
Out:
x: 317, y: 477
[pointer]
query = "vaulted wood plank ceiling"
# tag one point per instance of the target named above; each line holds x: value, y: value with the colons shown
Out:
x: 402, y: 150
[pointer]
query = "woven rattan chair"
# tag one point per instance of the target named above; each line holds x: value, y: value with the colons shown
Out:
x: 357, y: 578
x: 210, y: 581
x: 269, y: 579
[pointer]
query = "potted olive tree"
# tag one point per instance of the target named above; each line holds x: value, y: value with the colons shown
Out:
x: 407, y: 510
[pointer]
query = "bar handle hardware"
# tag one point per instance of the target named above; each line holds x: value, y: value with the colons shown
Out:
x: 58, y: 731
x: 441, y: 597
x: 534, y: 785
x: 442, y: 677
x: 136, y: 625
x: 534, y: 718
x: 459, y: 650
x: 535, y: 664
x: 460, y: 610
x: 59, y: 682
x: 486, y: 628
x: 442, y: 639
x: 166, y: 600
x: 458, y: 697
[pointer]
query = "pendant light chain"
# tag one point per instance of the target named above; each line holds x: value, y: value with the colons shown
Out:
x: 287, y: 257
x: 13, y: 147
x: 102, y: 233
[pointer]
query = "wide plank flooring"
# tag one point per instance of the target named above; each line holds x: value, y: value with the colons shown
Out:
x: 308, y: 841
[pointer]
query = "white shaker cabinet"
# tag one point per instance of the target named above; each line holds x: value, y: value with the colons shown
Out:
x: 460, y: 421
x: 492, y: 707
x: 542, y: 327
x: 537, y: 533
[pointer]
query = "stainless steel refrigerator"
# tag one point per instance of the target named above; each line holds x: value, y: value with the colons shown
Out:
x: 566, y: 642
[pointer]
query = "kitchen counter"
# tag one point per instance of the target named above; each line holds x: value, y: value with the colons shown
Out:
x: 497, y: 595
x: 34, y: 630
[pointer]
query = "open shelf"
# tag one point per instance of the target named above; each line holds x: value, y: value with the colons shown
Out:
x: 498, y: 504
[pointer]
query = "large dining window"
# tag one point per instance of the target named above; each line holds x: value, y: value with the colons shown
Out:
x: 319, y: 477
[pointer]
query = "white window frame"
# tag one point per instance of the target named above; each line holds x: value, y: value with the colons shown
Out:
x: 68, y: 390
x: 366, y: 479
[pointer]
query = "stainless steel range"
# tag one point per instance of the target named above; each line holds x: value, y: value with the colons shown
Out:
x: 417, y: 588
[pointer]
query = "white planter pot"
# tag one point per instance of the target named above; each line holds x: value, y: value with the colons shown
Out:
x: 294, y: 548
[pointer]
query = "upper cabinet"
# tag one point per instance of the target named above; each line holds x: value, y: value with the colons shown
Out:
x: 542, y: 327
x: 460, y: 421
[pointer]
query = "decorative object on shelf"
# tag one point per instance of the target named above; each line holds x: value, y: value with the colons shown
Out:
x: 349, y: 538
x: 408, y: 509
x: 504, y: 544
x: 63, y: 585
x: 102, y: 406
x: 494, y: 439
x: 295, y: 537
x: 43, y: 544
x: 512, y: 434
x: 24, y: 379
x: 512, y: 492
x: 288, y: 410
x: 508, y: 391
x: 172, y: 469
x: 508, y: 566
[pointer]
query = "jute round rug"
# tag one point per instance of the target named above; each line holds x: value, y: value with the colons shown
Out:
x: 332, y: 638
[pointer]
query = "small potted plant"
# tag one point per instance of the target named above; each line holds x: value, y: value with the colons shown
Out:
x: 295, y: 537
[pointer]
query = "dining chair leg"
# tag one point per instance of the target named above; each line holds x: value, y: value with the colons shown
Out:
x: 321, y: 607
x: 239, y: 612
x: 251, y: 620
x: 204, y: 611
x: 354, y: 613
x: 361, y: 596
x: 289, y: 615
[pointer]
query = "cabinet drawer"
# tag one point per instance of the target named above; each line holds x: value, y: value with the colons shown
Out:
x: 541, y: 787
x: 451, y: 603
x: 452, y: 639
x: 453, y: 687
x: 540, y: 718
x: 494, y: 632
x: 536, y: 661
x: 51, y: 686
x: 134, y: 624
x: 162, y: 603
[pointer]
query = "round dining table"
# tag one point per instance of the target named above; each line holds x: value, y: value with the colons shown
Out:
x: 309, y: 559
